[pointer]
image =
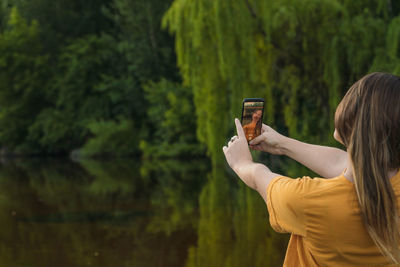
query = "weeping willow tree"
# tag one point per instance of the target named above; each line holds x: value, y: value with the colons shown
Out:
x: 300, y: 55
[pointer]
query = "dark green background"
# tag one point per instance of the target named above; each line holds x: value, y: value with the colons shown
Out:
x: 152, y: 87
x: 105, y: 78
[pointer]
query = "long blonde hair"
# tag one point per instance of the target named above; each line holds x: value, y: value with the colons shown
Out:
x: 368, y: 122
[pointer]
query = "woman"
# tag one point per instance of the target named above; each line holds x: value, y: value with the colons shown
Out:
x: 253, y: 129
x: 351, y: 217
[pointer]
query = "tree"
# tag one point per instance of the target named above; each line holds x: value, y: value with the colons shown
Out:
x: 63, y: 21
x: 90, y: 86
x: 301, y: 56
x: 148, y: 49
x: 172, y: 120
x: 24, y: 72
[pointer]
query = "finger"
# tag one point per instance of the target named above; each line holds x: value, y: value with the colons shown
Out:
x: 264, y: 127
x: 230, y: 143
x: 239, y: 129
x: 233, y: 138
x: 257, y: 140
x: 256, y: 147
x: 224, y: 148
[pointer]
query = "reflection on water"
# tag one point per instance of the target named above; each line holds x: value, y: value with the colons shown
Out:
x: 127, y: 213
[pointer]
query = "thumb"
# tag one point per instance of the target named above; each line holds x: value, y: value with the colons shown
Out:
x: 264, y: 128
x: 257, y: 140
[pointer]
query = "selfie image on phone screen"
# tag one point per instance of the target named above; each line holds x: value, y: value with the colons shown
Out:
x: 252, y: 114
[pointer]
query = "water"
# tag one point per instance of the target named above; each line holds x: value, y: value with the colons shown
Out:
x: 131, y: 213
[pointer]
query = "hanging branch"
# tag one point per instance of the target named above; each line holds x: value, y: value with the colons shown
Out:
x: 251, y: 9
x: 255, y: 16
x: 389, y: 7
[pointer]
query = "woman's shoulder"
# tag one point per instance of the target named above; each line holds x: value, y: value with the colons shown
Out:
x: 307, y: 186
x: 291, y: 200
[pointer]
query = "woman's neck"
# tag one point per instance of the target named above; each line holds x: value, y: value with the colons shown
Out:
x: 348, y: 174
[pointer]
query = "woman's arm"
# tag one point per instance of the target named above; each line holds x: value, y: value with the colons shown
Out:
x: 326, y: 161
x: 237, y: 154
x: 257, y: 176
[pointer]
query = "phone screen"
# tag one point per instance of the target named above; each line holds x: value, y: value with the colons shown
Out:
x: 252, y: 116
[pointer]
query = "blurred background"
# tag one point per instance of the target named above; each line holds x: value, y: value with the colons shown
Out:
x: 113, y: 114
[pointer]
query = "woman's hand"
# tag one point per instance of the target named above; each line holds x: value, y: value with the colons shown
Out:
x: 237, y: 152
x: 269, y: 141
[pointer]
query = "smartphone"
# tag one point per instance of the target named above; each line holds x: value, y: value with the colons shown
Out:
x: 252, y: 117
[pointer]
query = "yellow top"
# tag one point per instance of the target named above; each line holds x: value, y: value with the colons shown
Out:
x: 324, y: 219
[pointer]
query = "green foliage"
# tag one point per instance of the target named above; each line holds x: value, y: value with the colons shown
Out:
x: 67, y: 64
x: 64, y: 20
x: 88, y: 90
x: 148, y: 49
x: 24, y: 71
x: 171, y: 120
x: 54, y: 131
x: 99, y: 53
x: 111, y: 138
x: 300, y: 55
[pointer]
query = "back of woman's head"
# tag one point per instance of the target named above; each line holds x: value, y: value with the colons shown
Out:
x: 367, y: 121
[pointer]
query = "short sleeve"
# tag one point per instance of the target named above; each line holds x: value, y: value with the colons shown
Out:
x: 286, y: 204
